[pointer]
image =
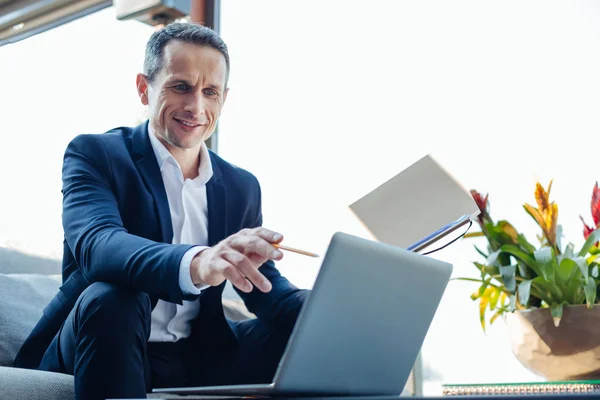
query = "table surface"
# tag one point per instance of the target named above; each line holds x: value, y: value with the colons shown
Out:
x: 571, y: 396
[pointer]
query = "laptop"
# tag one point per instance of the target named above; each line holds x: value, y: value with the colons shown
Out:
x: 361, y: 328
x: 417, y: 207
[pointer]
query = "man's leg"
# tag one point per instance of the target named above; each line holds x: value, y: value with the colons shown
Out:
x: 103, y: 342
x: 254, y: 361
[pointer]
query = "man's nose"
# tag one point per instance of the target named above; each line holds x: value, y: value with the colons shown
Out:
x: 196, y: 104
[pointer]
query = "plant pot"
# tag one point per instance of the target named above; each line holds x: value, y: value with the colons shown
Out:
x: 570, y: 351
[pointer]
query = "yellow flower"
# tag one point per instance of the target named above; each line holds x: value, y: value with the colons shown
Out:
x: 546, y: 214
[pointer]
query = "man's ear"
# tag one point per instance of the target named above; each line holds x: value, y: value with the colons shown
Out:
x: 141, y: 82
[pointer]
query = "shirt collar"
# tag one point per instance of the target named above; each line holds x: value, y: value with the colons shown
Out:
x: 205, y: 171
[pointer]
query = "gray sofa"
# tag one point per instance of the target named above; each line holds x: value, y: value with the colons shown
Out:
x: 27, y: 284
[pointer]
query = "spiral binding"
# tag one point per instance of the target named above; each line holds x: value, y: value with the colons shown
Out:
x: 542, y: 388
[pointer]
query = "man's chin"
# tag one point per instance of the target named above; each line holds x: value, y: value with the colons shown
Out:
x: 186, y: 144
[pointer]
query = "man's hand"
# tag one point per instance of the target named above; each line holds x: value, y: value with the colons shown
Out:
x: 237, y: 259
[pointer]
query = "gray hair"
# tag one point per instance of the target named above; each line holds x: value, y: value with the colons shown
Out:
x: 186, y: 32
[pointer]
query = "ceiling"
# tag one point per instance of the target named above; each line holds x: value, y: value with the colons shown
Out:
x: 20, y: 19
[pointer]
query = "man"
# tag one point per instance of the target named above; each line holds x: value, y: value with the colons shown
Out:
x: 154, y: 225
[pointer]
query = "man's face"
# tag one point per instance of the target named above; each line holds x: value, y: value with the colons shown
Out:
x: 185, y: 99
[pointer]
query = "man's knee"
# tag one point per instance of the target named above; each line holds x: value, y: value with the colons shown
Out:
x: 114, y: 307
x: 266, y: 340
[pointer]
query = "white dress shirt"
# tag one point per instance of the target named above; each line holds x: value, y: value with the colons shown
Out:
x: 189, y: 215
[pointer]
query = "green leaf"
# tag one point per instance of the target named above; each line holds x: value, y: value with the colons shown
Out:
x: 546, y: 291
x: 557, y: 312
x: 576, y: 293
x: 559, y: 235
x: 513, y: 303
x: 493, y: 258
x: 528, y: 247
x: 508, y: 277
x: 590, y: 292
x: 473, y: 234
x: 525, y: 257
x: 583, y: 267
x: 546, y: 261
x: 569, y: 251
x: 466, y: 279
x: 522, y: 269
x: 495, y: 316
x: 484, y: 286
x: 481, y: 288
x: 592, y: 258
x: 509, y: 233
x: 494, y: 296
x: 487, y: 269
x: 573, y: 288
x: 595, y: 270
x: 565, y: 269
x: 481, y: 291
x: 590, y: 242
x: 483, y: 303
x: 524, y: 292
x: 481, y: 252
x: 502, y: 233
x: 480, y: 268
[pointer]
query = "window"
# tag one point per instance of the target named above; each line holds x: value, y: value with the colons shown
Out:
x: 77, y: 78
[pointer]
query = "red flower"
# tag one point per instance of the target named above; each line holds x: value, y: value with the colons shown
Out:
x: 587, y: 230
x: 480, y: 200
x: 596, y: 204
x: 482, y: 204
x: 595, y: 207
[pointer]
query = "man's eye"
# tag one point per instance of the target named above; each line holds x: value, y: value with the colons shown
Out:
x: 181, y: 86
x: 210, y: 92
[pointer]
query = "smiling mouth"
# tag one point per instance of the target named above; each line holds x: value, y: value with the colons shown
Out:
x: 187, y: 123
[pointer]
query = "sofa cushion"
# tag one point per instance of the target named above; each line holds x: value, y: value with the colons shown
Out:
x: 22, y: 299
x: 15, y: 262
x: 26, y: 384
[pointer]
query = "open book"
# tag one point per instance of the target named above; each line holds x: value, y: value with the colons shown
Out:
x: 416, y: 207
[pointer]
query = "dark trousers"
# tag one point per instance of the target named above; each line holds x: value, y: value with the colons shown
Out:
x: 104, y: 344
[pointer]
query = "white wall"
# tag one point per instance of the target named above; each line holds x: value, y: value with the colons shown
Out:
x: 330, y: 98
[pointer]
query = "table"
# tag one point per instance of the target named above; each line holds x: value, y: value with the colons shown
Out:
x: 573, y: 396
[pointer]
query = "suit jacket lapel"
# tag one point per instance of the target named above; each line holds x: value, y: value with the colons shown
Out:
x: 216, y: 196
x: 150, y: 172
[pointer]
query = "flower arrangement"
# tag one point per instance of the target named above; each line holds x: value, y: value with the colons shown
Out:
x: 517, y: 275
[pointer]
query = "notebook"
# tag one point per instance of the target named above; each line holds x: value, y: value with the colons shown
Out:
x: 532, y: 388
x: 416, y: 207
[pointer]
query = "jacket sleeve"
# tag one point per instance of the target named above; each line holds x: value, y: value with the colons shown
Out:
x: 282, y: 305
x: 102, y: 247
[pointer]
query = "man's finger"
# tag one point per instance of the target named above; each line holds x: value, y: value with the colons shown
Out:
x: 248, y: 269
x: 269, y: 235
x: 231, y: 273
x: 256, y: 245
x: 257, y: 260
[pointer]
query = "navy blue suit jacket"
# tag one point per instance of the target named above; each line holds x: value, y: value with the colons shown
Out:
x: 118, y: 229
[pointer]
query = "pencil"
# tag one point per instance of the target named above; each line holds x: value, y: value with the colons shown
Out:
x: 306, y: 253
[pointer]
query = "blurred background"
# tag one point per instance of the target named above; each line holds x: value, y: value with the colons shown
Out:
x: 328, y: 99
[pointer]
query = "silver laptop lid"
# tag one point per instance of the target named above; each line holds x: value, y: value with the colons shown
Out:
x: 363, y: 325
